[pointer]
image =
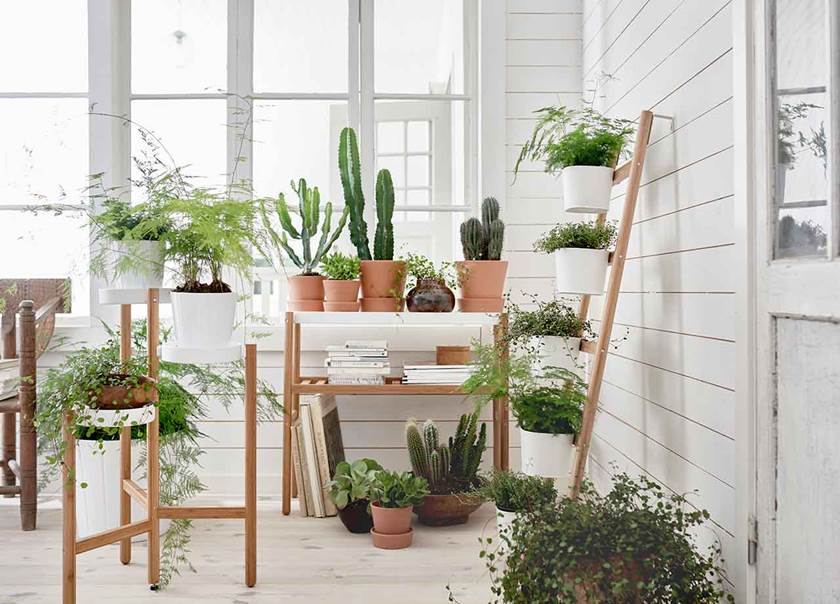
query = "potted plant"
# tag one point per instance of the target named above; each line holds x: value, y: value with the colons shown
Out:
x: 515, y: 494
x: 341, y: 287
x: 451, y: 469
x: 481, y: 274
x: 429, y: 286
x: 585, y: 145
x: 581, y: 255
x: 351, y: 490
x: 383, y: 278
x: 306, y: 290
x: 394, y: 495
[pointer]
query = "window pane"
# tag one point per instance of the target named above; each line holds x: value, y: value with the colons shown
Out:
x: 43, y: 150
x: 419, y: 46
x: 43, y: 46
x: 418, y: 136
x: 300, y: 45
x: 178, y: 46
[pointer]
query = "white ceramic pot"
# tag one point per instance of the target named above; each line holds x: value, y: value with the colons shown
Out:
x: 504, y: 520
x: 203, y: 320
x: 555, y: 351
x: 547, y: 455
x: 145, y: 260
x: 580, y: 270
x: 586, y: 189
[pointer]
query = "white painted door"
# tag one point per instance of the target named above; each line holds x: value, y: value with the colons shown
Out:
x: 797, y: 305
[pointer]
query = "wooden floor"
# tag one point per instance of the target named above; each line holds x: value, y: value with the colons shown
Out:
x: 299, y: 560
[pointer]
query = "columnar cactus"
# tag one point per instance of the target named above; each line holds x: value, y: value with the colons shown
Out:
x: 383, y: 241
x: 417, y: 450
x: 483, y: 240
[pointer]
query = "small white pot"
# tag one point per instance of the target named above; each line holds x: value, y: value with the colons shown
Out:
x: 203, y: 320
x: 504, y: 520
x: 580, y: 270
x: 555, y: 351
x: 146, y: 265
x: 547, y: 455
x: 586, y: 189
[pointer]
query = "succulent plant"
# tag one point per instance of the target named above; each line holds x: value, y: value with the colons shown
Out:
x: 483, y: 239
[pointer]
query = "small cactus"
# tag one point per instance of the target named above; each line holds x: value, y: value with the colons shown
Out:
x: 484, y: 239
x: 383, y: 242
x: 495, y: 239
x: 472, y: 239
x: 417, y: 450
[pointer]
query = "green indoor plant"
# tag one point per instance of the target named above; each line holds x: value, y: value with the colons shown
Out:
x: 513, y: 494
x: 581, y: 255
x: 481, y: 274
x: 394, y: 496
x: 351, y: 489
x: 429, y: 285
x: 341, y: 286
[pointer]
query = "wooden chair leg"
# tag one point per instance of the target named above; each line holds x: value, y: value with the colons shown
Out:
x: 26, y: 396
x: 68, y: 477
x: 9, y: 427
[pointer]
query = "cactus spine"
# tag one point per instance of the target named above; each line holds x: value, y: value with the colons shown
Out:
x: 484, y: 239
x: 383, y: 242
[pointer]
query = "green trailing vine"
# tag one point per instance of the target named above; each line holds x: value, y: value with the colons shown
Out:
x: 586, y: 235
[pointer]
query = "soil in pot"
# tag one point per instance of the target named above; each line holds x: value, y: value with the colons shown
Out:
x: 341, y: 291
x: 446, y: 510
x: 382, y: 278
x: 355, y: 516
x: 430, y: 295
x: 194, y: 287
x: 391, y: 521
x: 482, y: 278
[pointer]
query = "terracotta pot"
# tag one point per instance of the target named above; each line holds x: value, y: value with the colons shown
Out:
x: 481, y: 304
x: 341, y: 291
x: 306, y: 287
x: 382, y: 305
x: 430, y: 295
x: 481, y: 278
x: 452, y: 355
x: 382, y: 278
x: 446, y: 510
x: 391, y: 521
x: 391, y: 541
x: 305, y: 305
x: 355, y: 516
x: 123, y: 397
x: 342, y: 306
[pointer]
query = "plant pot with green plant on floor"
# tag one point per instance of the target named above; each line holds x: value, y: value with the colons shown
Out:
x: 581, y: 255
x: 514, y: 495
x: 481, y: 274
x: 341, y: 286
x: 351, y: 490
x: 306, y: 290
x: 429, y: 286
x: 450, y: 468
x: 383, y: 278
x: 394, y: 496
x: 585, y: 146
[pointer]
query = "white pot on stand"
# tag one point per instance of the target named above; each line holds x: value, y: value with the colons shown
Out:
x: 555, y: 351
x: 142, y: 262
x: 586, y: 189
x: 203, y: 321
x: 580, y: 270
x: 547, y: 455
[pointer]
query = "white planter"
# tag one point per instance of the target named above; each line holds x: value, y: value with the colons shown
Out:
x: 555, y: 351
x: 504, y: 520
x: 146, y: 265
x: 586, y: 188
x: 203, y: 320
x: 547, y: 455
x: 580, y: 270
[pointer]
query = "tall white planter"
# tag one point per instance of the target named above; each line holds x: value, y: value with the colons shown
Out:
x: 586, y: 189
x: 547, y: 455
x: 580, y: 270
x: 203, y: 321
x: 555, y: 351
x: 146, y: 264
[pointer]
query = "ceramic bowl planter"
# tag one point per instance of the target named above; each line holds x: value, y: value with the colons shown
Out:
x: 586, y: 189
x: 430, y: 295
x: 146, y: 270
x: 306, y: 293
x: 482, y: 283
x: 391, y: 527
x: 203, y: 321
x: 555, y: 351
x: 355, y: 516
x: 580, y: 270
x: 548, y: 455
x: 341, y: 296
x: 446, y: 510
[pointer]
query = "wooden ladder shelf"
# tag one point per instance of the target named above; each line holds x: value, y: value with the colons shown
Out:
x: 632, y: 172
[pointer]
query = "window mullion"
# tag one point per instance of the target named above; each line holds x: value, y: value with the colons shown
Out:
x: 240, y: 79
x: 833, y: 119
x: 367, y: 130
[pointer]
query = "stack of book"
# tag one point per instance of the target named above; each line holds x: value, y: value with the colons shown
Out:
x: 358, y: 362
x: 436, y: 374
x: 317, y: 448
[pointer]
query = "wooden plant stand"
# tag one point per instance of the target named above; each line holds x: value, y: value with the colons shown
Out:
x: 150, y: 496
x: 294, y: 384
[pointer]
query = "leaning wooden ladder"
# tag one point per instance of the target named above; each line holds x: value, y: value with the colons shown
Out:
x: 632, y: 171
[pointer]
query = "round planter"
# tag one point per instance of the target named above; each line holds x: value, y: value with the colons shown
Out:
x: 306, y: 293
x: 586, y: 188
x: 452, y: 355
x: 305, y: 305
x: 504, y: 520
x: 446, y: 510
x: 481, y: 304
x: 147, y: 264
x: 341, y: 291
x: 342, y: 306
x: 355, y: 516
x: 481, y: 278
x: 555, y: 351
x: 203, y: 320
x: 382, y: 305
x: 548, y: 455
x: 391, y: 521
x: 430, y: 295
x: 382, y: 278
x: 392, y: 541
x: 580, y: 271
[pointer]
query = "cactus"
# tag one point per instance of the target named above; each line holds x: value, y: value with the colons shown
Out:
x: 309, y: 208
x: 383, y: 242
x: 416, y: 450
x: 430, y: 435
x: 483, y: 240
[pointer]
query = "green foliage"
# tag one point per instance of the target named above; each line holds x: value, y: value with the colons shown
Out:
x: 420, y: 268
x: 354, y: 481
x: 587, y: 235
x: 792, y: 142
x: 484, y: 239
x: 552, y: 318
x: 451, y: 467
x: 553, y: 405
x: 119, y: 220
x: 514, y: 492
x: 341, y: 267
x: 495, y: 373
x: 309, y: 208
x: 399, y: 490
x: 574, y: 137
x: 383, y: 240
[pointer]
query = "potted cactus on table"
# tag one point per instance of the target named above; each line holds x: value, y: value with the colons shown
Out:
x: 481, y: 275
x: 383, y: 278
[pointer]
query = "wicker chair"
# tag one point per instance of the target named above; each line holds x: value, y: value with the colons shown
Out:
x: 26, y: 333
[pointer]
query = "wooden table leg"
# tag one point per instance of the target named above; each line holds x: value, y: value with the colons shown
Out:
x: 68, y: 507
x: 250, y: 465
x: 28, y: 438
x: 287, y: 416
x: 153, y: 440
x: 125, y: 438
x: 295, y: 395
x: 501, y: 425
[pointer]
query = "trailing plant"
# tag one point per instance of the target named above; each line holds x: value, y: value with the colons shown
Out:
x: 552, y: 405
x: 399, y: 490
x: 309, y: 208
x: 566, y: 137
x: 483, y: 239
x: 356, y: 481
x: 349, y: 167
x: 515, y: 492
x: 420, y: 268
x: 341, y: 267
x: 452, y: 467
x: 586, y: 235
x: 552, y: 318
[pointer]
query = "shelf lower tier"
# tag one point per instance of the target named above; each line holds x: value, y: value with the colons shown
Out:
x: 319, y: 385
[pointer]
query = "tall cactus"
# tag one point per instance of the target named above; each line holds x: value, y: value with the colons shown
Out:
x: 417, y: 452
x: 472, y: 239
x: 383, y: 241
x: 483, y: 240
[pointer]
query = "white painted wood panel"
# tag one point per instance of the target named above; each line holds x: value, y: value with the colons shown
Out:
x: 543, y: 52
x: 536, y: 26
x: 543, y: 6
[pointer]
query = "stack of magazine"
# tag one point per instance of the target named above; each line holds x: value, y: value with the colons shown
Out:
x: 358, y: 362
x: 436, y: 374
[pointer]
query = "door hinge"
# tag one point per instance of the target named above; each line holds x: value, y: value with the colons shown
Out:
x: 752, y: 541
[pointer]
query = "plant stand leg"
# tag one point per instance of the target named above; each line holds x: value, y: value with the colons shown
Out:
x: 153, y: 441
x: 125, y: 438
x: 250, y: 465
x: 287, y: 416
x: 68, y: 510
x: 28, y: 439
x: 501, y: 427
x: 295, y: 395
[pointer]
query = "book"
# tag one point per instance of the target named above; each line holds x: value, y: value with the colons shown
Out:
x: 358, y: 371
x: 423, y: 368
x: 329, y: 446
x: 383, y: 344
x: 311, y: 476
x: 356, y: 353
x: 304, y: 488
x: 356, y: 380
x: 296, y: 459
x: 358, y: 364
